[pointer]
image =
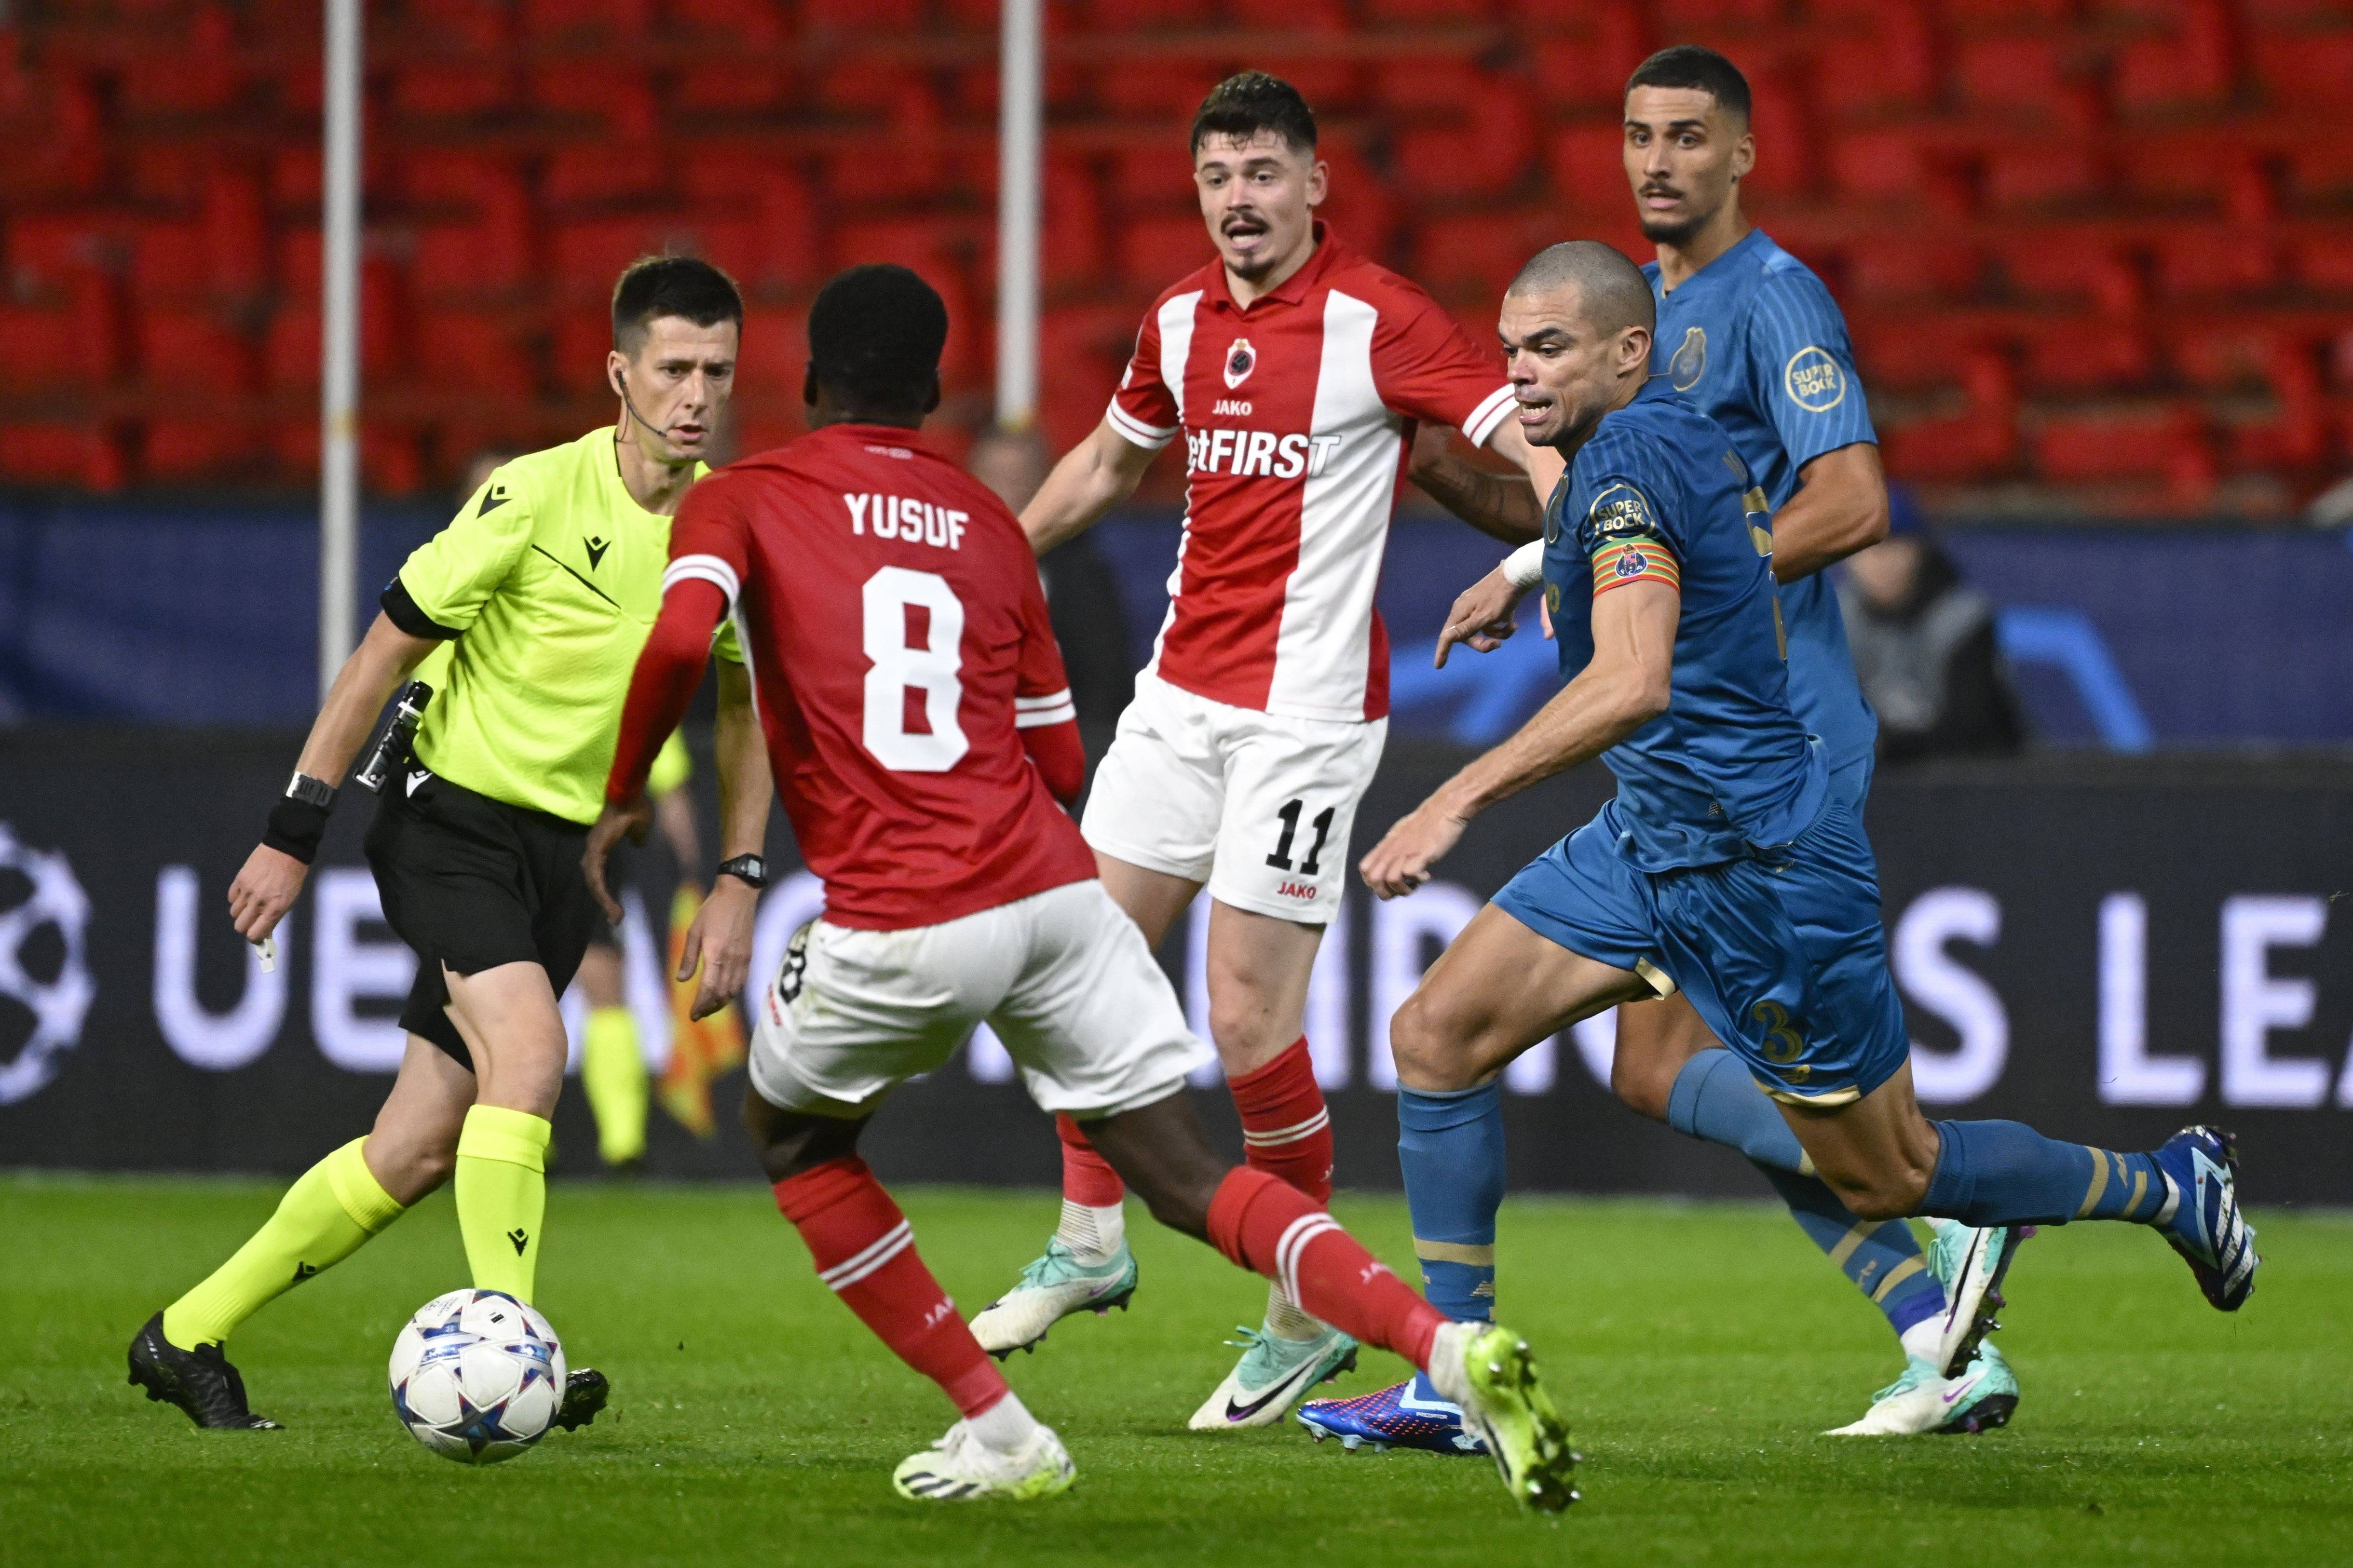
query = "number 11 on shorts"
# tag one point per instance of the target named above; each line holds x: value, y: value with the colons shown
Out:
x: 1281, y: 859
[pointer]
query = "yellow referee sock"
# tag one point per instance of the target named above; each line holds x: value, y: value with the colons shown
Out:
x: 613, y: 1071
x: 501, y: 1197
x: 324, y: 1217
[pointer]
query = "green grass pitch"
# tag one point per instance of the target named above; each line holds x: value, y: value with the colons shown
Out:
x: 1698, y: 1348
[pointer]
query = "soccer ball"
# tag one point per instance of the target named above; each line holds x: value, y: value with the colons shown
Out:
x: 477, y: 1376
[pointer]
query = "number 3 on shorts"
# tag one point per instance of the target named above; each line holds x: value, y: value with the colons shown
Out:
x: 899, y: 669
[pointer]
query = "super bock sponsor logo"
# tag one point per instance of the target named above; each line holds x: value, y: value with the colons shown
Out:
x: 1620, y: 512
x: 1814, y: 381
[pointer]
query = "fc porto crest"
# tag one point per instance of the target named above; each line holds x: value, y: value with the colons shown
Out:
x: 1690, y: 363
x: 1241, y: 360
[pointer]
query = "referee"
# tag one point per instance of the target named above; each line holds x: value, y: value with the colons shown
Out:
x: 524, y: 615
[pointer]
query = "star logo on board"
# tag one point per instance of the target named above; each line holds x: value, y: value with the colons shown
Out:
x: 1241, y: 360
x: 597, y: 548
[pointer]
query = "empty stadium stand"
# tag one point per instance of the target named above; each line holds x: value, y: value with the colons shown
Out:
x: 2097, y: 254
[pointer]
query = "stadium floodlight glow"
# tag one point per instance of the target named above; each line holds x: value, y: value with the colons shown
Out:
x: 339, y: 370
x: 1021, y: 133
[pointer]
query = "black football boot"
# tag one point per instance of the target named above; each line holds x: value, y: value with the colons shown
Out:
x: 585, y: 1394
x: 200, y: 1382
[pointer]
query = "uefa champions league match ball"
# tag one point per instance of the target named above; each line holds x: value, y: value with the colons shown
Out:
x: 477, y: 1376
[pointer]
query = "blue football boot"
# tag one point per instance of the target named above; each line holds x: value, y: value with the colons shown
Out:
x: 2206, y: 1226
x: 1409, y: 1415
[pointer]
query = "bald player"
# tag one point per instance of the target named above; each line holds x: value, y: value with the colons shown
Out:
x: 1726, y: 866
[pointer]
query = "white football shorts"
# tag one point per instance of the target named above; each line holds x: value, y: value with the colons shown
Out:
x: 1063, y: 977
x: 1254, y: 804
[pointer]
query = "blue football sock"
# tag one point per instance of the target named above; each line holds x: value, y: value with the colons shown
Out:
x: 1715, y: 1100
x: 1451, y: 1146
x: 1881, y: 1258
x: 2005, y: 1172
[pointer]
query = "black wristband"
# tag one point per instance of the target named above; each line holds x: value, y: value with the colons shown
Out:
x: 295, y: 827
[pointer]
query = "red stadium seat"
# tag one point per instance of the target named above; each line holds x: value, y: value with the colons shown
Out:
x: 71, y: 456
x: 478, y: 25
x: 195, y: 349
x: 2215, y: 260
x: 179, y: 450
x: 484, y: 352
x: 1129, y: 15
x: 1475, y: 256
x: 776, y: 350
x: 730, y: 85
x: 2195, y: 62
x: 892, y: 17
x: 2075, y: 355
x: 617, y: 95
x: 1588, y: 168
x: 761, y: 23
x: 447, y: 90
x: 582, y: 21
x: 1074, y: 242
x: 1484, y: 155
x: 1154, y: 251
x: 1430, y: 12
x: 2300, y: 67
x: 586, y: 255
x: 198, y: 73
x: 601, y: 173
x: 46, y: 343
x: 2129, y: 442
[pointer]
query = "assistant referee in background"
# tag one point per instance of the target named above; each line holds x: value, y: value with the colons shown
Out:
x: 525, y: 616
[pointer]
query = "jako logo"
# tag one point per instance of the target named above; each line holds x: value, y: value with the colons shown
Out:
x: 1238, y: 406
x: 1296, y: 890
x: 56, y: 990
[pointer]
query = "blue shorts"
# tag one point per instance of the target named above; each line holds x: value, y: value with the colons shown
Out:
x: 1782, y: 953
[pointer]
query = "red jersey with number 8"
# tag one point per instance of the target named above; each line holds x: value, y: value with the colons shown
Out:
x: 890, y: 610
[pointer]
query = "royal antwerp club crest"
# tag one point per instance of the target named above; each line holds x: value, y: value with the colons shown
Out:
x: 1241, y: 360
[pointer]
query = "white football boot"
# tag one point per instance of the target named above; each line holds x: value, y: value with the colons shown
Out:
x: 1050, y: 1290
x: 1273, y: 1374
x: 960, y: 1467
x: 1972, y: 1263
x: 1980, y: 1400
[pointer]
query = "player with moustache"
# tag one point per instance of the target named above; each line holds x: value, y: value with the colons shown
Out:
x: 1751, y: 337
x: 1729, y: 867
x: 1296, y: 370
x: 920, y: 727
x: 524, y: 615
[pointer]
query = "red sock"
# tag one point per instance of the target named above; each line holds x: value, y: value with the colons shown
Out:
x: 1286, y: 1130
x: 864, y: 1248
x: 1266, y: 1226
x: 1086, y: 1178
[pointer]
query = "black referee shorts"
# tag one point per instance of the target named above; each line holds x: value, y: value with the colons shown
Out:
x: 473, y: 883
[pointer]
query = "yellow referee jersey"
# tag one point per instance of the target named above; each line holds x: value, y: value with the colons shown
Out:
x: 546, y: 583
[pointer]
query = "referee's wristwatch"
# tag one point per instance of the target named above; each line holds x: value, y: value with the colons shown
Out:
x: 747, y: 868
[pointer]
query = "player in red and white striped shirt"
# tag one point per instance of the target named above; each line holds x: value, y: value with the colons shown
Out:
x: 1296, y: 370
x: 919, y: 730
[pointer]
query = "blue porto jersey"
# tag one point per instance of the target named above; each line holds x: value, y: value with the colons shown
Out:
x: 1755, y: 342
x: 1657, y: 494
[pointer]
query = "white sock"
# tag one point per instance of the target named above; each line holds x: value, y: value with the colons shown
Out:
x: 1286, y: 1321
x: 1093, y: 1234
x: 1006, y: 1426
x: 1923, y: 1338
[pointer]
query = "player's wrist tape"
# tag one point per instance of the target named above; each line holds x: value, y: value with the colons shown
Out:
x: 1524, y: 567
x: 298, y: 820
